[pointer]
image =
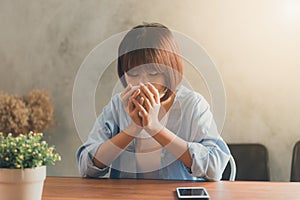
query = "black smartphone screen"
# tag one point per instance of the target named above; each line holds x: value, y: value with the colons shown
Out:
x: 192, y: 193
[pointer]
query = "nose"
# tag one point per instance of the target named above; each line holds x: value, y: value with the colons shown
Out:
x: 143, y: 78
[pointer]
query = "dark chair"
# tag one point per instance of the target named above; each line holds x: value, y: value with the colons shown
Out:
x: 295, y: 172
x: 252, y: 162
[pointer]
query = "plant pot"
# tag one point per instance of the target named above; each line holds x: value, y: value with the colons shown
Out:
x: 22, y: 184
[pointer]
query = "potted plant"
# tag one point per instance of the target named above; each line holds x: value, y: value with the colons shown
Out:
x: 23, y: 154
x: 23, y: 161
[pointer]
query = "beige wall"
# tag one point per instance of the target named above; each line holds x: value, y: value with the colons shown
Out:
x: 255, y: 45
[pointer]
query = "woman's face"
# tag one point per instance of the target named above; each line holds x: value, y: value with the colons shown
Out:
x: 144, y: 74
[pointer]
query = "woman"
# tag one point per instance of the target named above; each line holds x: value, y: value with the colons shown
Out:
x: 156, y: 128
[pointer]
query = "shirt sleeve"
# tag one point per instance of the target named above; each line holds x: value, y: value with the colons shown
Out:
x: 104, y: 128
x: 208, y: 150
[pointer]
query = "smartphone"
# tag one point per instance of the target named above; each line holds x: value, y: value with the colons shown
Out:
x: 192, y: 193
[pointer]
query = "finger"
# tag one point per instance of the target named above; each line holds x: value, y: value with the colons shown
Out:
x: 154, y: 91
x: 129, y: 92
x: 147, y: 105
x: 126, y: 90
x: 125, y: 97
x: 129, y: 86
x: 139, y: 107
x: 135, y: 94
x: 142, y: 100
x: 148, y: 94
x: 131, y: 105
x: 142, y: 97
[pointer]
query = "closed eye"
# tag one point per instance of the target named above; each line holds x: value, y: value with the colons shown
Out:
x: 132, y: 74
x: 153, y: 74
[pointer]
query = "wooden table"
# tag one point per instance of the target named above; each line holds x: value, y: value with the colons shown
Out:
x: 56, y: 188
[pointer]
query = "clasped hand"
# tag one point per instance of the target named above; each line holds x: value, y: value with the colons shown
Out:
x: 143, y: 106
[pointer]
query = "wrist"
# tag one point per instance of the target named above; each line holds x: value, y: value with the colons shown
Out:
x: 155, y: 129
x: 133, y: 129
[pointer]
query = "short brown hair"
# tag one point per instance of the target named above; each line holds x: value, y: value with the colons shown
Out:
x: 151, y: 43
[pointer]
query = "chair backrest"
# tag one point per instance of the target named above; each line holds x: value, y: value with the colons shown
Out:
x: 295, y: 171
x: 252, y: 162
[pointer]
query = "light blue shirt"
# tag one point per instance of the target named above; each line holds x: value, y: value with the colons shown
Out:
x: 189, y: 118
